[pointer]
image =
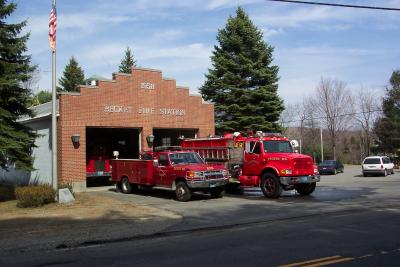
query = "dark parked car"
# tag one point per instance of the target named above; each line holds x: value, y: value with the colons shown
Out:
x: 330, y: 167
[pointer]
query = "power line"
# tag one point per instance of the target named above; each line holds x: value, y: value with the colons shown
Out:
x: 337, y: 5
x: 335, y: 116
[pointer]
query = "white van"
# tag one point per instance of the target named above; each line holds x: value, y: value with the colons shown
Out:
x: 377, y: 165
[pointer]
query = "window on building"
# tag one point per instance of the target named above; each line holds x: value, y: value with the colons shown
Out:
x: 166, y: 141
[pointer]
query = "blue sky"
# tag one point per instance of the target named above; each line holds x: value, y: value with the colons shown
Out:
x: 359, y: 47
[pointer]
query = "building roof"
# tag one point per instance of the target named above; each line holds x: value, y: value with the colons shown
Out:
x: 95, y: 78
x: 40, y: 111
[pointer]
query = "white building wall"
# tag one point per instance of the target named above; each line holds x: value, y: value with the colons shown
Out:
x: 42, y: 159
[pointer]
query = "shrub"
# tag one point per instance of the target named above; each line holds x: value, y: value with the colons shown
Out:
x: 6, y: 193
x: 34, y: 196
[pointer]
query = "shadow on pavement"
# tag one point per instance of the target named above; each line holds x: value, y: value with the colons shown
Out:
x: 164, y: 194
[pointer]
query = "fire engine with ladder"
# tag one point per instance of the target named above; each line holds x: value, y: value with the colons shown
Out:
x: 265, y: 160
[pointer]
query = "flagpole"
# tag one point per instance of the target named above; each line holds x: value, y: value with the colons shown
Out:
x: 54, y: 117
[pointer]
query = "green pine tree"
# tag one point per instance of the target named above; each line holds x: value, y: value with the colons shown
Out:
x: 387, y: 128
x: 16, y: 139
x: 243, y: 83
x: 127, y: 62
x: 73, y: 76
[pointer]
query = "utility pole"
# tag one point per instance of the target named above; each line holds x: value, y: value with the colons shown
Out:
x: 322, y: 145
x: 301, y: 152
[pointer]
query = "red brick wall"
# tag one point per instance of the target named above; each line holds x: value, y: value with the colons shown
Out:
x: 77, y: 111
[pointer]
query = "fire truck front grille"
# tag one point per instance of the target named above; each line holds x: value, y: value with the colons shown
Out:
x: 302, y: 164
x: 99, y: 165
x: 213, y: 175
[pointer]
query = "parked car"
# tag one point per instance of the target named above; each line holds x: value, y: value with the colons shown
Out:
x: 330, y: 167
x: 380, y: 165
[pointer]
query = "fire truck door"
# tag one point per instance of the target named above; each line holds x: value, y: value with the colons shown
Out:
x: 162, y: 171
x: 252, y: 158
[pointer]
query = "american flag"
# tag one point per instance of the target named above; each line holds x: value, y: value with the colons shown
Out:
x: 53, y: 26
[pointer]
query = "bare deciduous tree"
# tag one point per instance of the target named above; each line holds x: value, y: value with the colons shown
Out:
x: 299, y: 122
x: 334, y: 103
x: 287, y: 117
x: 30, y: 83
x: 367, y: 113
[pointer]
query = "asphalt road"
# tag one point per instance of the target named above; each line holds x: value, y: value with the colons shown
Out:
x: 357, y: 238
x: 349, y: 220
x: 348, y: 190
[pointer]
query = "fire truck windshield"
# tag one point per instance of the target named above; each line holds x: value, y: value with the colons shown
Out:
x: 185, y: 158
x: 277, y: 147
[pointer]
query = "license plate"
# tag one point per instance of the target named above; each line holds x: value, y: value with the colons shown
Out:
x: 100, y: 173
x: 304, y: 179
x: 213, y: 185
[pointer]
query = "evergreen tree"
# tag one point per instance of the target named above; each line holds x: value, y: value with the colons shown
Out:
x: 387, y: 128
x: 73, y: 76
x: 16, y: 139
x: 127, y: 62
x: 243, y: 83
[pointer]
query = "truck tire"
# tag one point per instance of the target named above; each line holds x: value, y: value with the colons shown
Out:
x: 126, y: 187
x: 270, y: 186
x: 305, y: 189
x: 182, y: 192
x: 217, y: 192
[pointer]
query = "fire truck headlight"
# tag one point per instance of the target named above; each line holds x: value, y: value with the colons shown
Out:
x: 190, y: 174
x: 286, y: 171
x: 193, y: 175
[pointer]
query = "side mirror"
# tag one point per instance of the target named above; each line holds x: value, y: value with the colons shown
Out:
x: 294, y: 143
x: 155, y: 163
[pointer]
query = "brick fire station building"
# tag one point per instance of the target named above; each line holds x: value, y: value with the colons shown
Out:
x: 115, y: 115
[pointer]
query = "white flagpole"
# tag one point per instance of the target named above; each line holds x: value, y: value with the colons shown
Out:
x: 54, y: 118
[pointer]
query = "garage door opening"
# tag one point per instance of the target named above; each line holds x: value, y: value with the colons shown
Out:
x: 100, y: 144
x: 170, y: 137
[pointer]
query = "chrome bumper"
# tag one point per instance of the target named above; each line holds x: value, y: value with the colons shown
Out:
x: 292, y: 180
x: 207, y: 183
x: 378, y: 171
x: 98, y: 174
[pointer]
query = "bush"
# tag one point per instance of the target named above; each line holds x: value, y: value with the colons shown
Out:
x: 34, y: 196
x: 6, y: 193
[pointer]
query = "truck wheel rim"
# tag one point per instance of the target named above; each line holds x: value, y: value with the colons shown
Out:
x: 124, y: 185
x: 269, y: 185
x: 181, y: 192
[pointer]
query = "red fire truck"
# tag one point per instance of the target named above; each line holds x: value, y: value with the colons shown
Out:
x: 265, y: 160
x: 171, y: 169
x: 98, y: 166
